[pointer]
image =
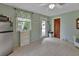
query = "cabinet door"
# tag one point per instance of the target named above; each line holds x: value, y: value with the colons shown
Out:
x: 24, y: 38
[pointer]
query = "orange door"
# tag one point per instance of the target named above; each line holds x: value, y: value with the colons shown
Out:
x: 57, y: 28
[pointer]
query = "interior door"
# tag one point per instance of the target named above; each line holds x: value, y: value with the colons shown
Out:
x: 57, y: 28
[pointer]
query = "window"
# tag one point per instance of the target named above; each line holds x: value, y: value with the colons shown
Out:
x: 23, y: 24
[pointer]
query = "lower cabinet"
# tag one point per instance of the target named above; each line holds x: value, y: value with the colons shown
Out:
x: 24, y: 38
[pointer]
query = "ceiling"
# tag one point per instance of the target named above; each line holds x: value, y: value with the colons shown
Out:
x: 42, y: 8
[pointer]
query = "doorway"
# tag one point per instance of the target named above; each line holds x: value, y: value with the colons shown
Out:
x: 43, y: 28
x: 57, y: 28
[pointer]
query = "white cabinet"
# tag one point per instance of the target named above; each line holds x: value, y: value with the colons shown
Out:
x: 24, y: 38
x: 6, y: 43
x: 6, y: 38
x: 76, y: 41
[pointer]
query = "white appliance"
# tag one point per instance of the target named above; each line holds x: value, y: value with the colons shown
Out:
x: 6, y: 37
x: 76, y: 41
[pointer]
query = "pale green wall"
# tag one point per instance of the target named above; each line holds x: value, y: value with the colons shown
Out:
x: 68, y: 25
x: 36, y: 23
x: 36, y: 27
x: 10, y: 12
x: 35, y: 31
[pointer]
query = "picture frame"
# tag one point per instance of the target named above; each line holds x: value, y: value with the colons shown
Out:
x: 77, y: 23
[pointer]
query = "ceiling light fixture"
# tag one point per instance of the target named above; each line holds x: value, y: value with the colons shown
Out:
x: 51, y: 6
